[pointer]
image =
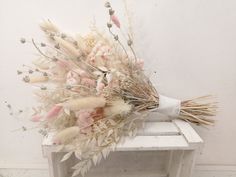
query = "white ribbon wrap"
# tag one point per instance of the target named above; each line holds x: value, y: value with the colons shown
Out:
x: 169, y: 106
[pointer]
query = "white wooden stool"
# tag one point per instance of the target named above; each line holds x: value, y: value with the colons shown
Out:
x: 176, y: 137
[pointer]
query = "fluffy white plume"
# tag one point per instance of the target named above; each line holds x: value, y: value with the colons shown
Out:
x: 66, y: 135
x: 117, y: 107
x: 84, y: 103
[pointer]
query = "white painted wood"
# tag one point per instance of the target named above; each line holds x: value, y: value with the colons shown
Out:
x: 201, y: 171
x: 178, y: 137
x: 150, y: 129
x: 153, y: 143
x: 175, y: 165
x: 52, y: 163
x: 159, y: 128
x: 140, y: 143
x: 188, y: 163
x: 189, y: 133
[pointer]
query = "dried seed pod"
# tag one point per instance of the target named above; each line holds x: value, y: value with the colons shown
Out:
x: 109, y: 25
x: 111, y: 12
x: 42, y: 44
x: 107, y: 4
x: 19, y: 72
x: 116, y: 37
x: 26, y: 79
x: 129, y: 42
x: 22, y: 40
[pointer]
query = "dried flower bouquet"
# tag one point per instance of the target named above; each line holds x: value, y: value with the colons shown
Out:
x: 93, y: 92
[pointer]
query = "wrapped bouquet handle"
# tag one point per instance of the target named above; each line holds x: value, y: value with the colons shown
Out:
x: 169, y: 106
x: 193, y: 110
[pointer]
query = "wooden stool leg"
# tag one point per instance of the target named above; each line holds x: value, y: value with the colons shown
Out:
x: 175, y: 160
x: 188, y: 163
x: 52, y: 164
x: 56, y: 168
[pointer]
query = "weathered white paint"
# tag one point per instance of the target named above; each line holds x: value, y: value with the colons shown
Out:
x: 191, y: 45
x: 180, y: 148
x: 199, y: 172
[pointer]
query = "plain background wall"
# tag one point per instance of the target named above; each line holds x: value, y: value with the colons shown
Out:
x: 191, y: 44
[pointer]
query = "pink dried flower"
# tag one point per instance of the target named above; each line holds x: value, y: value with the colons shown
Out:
x: 140, y: 64
x: 57, y: 142
x: 72, y: 78
x: 53, y: 112
x: 63, y: 63
x: 36, y: 118
x: 82, y: 73
x: 115, y: 20
x: 88, y: 82
x: 85, y: 119
x: 100, y: 87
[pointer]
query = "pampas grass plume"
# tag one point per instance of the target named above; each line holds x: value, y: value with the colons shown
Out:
x: 84, y: 103
x: 41, y: 63
x: 37, y: 79
x: 117, y: 107
x: 48, y: 26
x: 66, y: 135
x: 67, y: 46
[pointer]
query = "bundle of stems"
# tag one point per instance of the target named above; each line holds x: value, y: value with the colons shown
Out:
x: 140, y: 92
x: 198, y: 112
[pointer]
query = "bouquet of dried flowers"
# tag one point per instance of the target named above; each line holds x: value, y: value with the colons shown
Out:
x: 93, y: 91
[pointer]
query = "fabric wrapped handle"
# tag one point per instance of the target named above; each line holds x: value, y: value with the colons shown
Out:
x: 169, y: 106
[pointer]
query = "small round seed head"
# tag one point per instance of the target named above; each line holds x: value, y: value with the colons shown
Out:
x: 75, y: 43
x: 55, y: 59
x: 24, y: 128
x: 45, y: 74
x: 63, y: 35
x: 22, y: 40
x: 43, y: 87
x: 19, y: 72
x: 78, y: 58
x: 26, y: 79
x: 68, y: 87
x: 109, y: 25
x: 42, y: 44
x: 116, y: 37
x: 51, y: 35
x: 107, y: 4
x: 57, y: 46
x: 129, y: 42
x: 111, y: 12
